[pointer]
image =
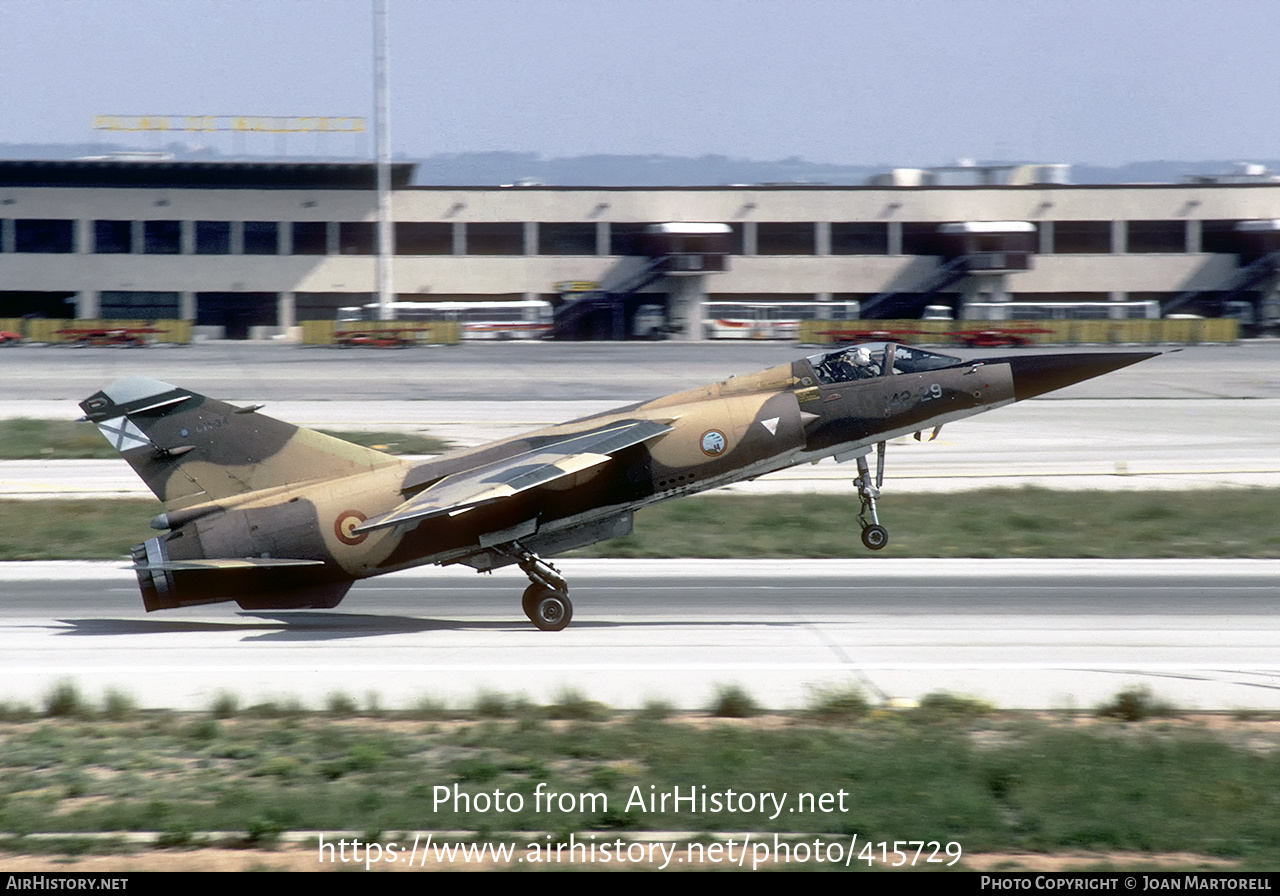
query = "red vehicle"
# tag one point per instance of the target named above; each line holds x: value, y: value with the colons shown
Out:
x: 108, y: 335
x: 8, y: 337
x: 394, y: 338
x: 994, y: 336
x: 850, y: 334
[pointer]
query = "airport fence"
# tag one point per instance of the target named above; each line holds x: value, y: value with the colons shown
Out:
x: 388, y: 334
x: 381, y: 333
x: 60, y: 331
x: 1037, y: 332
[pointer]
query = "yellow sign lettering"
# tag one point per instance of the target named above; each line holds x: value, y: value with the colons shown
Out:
x: 243, y: 123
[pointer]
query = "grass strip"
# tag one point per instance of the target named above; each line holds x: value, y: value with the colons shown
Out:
x: 26, y: 439
x: 999, y: 522
x: 948, y: 770
x: 1023, y: 522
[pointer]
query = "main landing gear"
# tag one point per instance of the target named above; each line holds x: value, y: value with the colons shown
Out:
x: 874, y: 535
x: 546, y: 600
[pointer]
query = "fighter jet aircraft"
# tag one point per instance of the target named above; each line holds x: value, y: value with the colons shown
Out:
x: 273, y: 516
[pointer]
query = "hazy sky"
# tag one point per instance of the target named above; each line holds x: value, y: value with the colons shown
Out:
x: 911, y: 82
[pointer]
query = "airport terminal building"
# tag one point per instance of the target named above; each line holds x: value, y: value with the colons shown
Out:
x: 252, y: 249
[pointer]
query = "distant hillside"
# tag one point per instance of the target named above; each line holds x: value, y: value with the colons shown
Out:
x: 485, y: 168
x: 1159, y: 172
x: 638, y: 171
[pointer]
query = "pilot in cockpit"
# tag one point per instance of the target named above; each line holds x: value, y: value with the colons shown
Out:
x: 863, y: 364
x: 847, y: 366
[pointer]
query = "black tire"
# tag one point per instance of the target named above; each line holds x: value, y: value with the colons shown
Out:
x: 530, y: 599
x: 532, y: 595
x: 552, y: 612
x: 875, y: 537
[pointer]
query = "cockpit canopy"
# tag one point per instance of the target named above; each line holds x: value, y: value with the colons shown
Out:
x: 870, y: 359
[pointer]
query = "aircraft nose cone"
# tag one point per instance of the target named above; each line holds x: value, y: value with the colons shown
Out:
x: 1037, y: 374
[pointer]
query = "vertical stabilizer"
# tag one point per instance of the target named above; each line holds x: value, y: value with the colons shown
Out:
x: 189, y: 449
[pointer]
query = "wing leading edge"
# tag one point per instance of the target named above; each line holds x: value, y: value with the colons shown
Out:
x: 497, y: 481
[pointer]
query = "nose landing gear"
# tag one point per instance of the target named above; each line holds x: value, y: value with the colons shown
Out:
x: 874, y: 535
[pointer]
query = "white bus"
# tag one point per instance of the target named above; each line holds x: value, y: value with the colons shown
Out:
x: 770, y: 320
x: 1149, y: 310
x: 519, y: 319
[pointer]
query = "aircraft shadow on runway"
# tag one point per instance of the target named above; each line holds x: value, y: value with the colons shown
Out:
x: 279, y: 626
x: 318, y: 626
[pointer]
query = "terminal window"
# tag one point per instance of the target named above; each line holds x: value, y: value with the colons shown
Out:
x: 1082, y: 237
x: 495, y: 239
x: 112, y: 237
x: 162, y: 237
x: 785, y: 238
x: 859, y: 238
x: 627, y: 239
x: 424, y: 238
x: 310, y: 238
x: 922, y: 238
x: 43, y: 235
x: 567, y: 239
x: 213, y: 237
x: 261, y: 238
x: 1221, y: 237
x: 1157, y: 236
x: 357, y: 238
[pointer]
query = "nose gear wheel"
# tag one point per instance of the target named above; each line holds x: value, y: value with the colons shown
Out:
x: 874, y: 536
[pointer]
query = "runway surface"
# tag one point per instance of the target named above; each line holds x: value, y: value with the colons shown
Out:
x: 1021, y: 633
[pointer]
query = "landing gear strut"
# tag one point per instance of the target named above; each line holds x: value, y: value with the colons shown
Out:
x: 874, y: 535
x: 546, y: 600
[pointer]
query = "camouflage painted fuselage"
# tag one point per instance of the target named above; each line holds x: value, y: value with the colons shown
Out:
x: 272, y: 515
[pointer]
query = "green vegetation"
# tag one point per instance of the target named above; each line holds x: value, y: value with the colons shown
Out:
x: 1135, y: 704
x: 833, y: 704
x: 732, y: 702
x: 74, y: 530
x: 64, y: 700
x: 1027, y: 522
x: 570, y: 703
x: 950, y: 769
x: 944, y: 707
x: 1023, y: 522
x: 23, y: 439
